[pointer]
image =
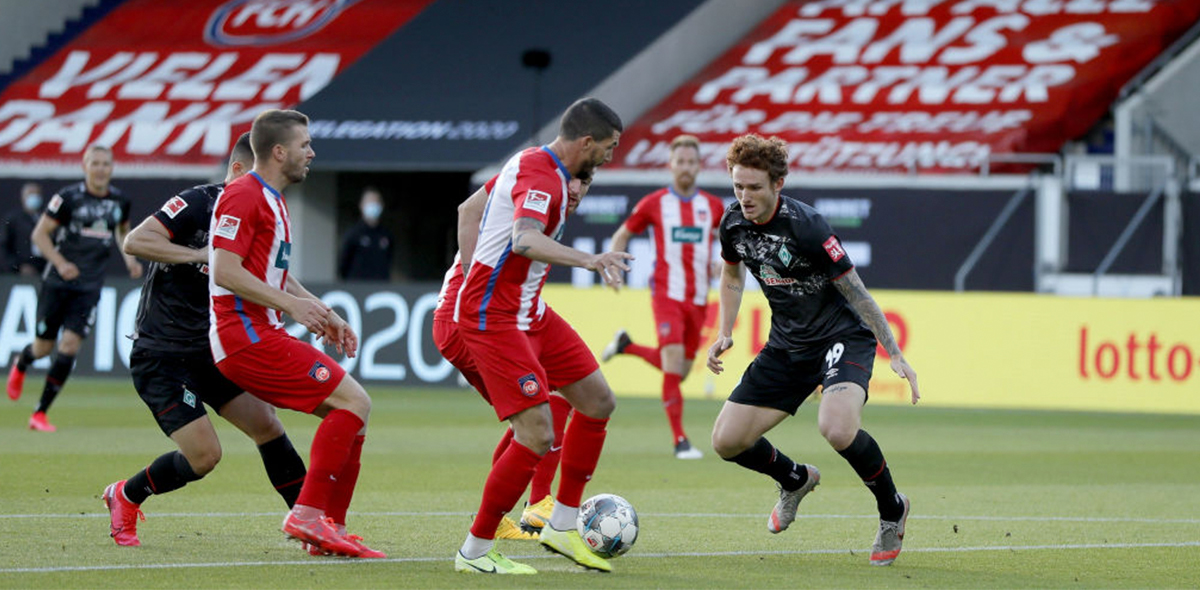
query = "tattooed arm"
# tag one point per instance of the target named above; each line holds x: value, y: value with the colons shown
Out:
x: 530, y: 241
x: 852, y: 288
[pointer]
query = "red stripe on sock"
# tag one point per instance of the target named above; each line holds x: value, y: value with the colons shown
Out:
x: 877, y: 473
x: 290, y: 483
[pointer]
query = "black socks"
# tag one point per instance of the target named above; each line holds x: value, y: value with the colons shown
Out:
x: 867, y: 460
x: 284, y: 466
x: 765, y: 458
x: 25, y: 358
x: 59, y: 371
x: 168, y: 472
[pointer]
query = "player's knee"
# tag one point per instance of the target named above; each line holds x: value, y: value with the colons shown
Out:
x: 42, y: 347
x: 270, y: 430
x: 838, y: 432
x: 537, y: 440
x: 725, y: 446
x: 204, y: 460
x: 69, y: 347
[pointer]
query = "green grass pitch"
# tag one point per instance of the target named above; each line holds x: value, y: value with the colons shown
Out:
x: 1000, y: 499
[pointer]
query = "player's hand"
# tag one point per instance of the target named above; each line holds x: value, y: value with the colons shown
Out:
x: 718, y: 348
x: 340, y: 335
x: 310, y: 313
x: 610, y: 265
x: 135, y: 270
x: 67, y: 270
x: 901, y: 367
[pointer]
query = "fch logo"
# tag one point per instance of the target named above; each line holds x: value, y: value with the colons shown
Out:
x: 529, y: 385
x: 319, y: 372
x: 269, y: 22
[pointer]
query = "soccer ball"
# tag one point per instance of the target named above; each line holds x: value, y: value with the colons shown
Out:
x: 608, y: 525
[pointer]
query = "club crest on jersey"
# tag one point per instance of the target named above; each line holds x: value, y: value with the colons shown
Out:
x: 784, y: 256
x: 537, y: 201
x: 319, y: 372
x: 228, y: 226
x: 529, y: 385
x: 834, y: 249
x: 174, y: 206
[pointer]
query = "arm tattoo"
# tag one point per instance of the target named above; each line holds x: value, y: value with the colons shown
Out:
x: 852, y: 288
x: 734, y: 288
x: 522, y: 226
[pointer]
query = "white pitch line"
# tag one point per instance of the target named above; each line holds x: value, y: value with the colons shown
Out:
x: 654, y: 515
x: 156, y: 566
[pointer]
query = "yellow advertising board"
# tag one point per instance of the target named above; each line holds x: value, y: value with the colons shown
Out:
x: 983, y: 350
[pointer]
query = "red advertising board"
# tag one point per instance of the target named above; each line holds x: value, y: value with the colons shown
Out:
x: 173, y: 84
x: 933, y: 85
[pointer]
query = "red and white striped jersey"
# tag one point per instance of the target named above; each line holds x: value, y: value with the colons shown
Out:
x: 683, y: 231
x: 503, y: 289
x: 251, y: 220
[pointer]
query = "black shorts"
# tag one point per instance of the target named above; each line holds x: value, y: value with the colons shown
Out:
x: 65, y: 308
x: 176, y: 386
x: 783, y: 380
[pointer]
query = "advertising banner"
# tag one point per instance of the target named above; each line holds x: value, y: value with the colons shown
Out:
x: 393, y: 326
x: 974, y: 350
x: 969, y: 350
x: 914, y: 84
x: 174, y: 83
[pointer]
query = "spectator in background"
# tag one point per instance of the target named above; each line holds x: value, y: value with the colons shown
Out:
x: 367, y: 248
x: 21, y: 256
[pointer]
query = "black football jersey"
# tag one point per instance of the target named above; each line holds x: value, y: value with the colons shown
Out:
x: 86, y: 234
x: 795, y: 257
x: 173, y: 310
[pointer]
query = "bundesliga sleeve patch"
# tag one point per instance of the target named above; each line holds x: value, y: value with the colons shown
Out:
x: 834, y: 249
x: 537, y: 201
x: 55, y: 203
x: 228, y: 227
x: 174, y: 206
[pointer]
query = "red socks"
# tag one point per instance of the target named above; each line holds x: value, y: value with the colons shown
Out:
x: 343, y: 490
x: 331, y: 449
x: 502, y: 446
x: 672, y: 399
x: 543, y: 476
x: 650, y: 355
x: 582, y: 443
x: 505, y: 484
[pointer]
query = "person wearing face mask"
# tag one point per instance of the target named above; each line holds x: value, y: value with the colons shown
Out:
x: 368, y: 247
x: 21, y: 256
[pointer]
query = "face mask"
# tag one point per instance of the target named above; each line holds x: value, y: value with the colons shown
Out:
x: 372, y: 211
x: 33, y: 201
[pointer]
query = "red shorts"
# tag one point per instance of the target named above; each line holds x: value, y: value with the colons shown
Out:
x: 284, y: 372
x: 450, y: 344
x: 520, y: 368
x: 679, y: 323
